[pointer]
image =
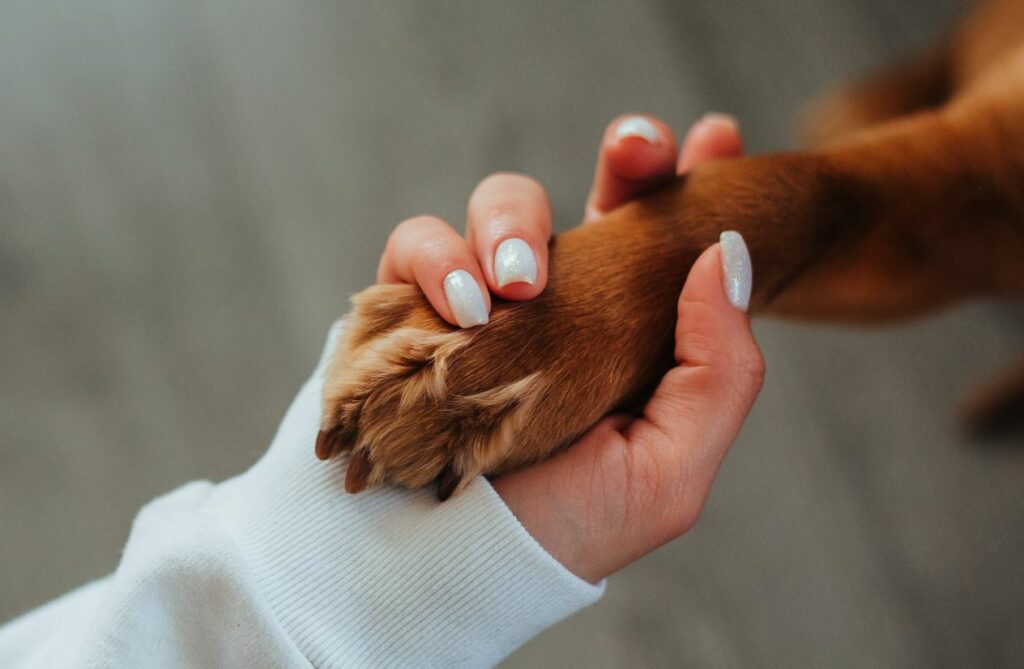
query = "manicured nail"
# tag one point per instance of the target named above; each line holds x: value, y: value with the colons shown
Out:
x: 514, y: 262
x: 638, y: 126
x: 465, y: 299
x: 724, y: 119
x: 737, y: 271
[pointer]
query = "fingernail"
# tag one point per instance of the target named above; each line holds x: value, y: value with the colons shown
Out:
x: 514, y: 262
x: 719, y: 117
x: 638, y: 126
x: 737, y: 272
x: 465, y: 299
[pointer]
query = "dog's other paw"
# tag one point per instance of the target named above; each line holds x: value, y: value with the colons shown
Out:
x: 413, y: 405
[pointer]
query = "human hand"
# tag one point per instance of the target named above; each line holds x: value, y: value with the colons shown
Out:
x: 627, y: 486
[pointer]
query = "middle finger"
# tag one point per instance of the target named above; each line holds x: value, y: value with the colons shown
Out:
x: 509, y: 225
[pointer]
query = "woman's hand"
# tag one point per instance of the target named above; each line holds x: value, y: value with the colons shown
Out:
x: 628, y: 486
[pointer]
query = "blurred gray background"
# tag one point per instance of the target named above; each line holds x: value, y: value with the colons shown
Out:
x: 189, y: 191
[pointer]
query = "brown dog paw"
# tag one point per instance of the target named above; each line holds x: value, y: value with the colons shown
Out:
x: 416, y: 400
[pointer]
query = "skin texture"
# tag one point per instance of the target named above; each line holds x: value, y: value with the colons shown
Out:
x: 912, y: 202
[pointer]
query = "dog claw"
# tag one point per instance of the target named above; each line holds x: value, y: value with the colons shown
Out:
x: 323, y: 444
x: 447, y: 483
x: 329, y: 443
x: 358, y: 474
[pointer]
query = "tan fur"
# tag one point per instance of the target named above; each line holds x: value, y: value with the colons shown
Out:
x: 913, y: 199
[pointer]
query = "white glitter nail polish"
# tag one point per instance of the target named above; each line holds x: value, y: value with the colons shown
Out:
x: 638, y: 126
x: 737, y: 272
x: 465, y: 299
x: 514, y: 262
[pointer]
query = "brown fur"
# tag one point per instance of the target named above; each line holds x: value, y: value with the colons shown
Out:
x: 911, y: 198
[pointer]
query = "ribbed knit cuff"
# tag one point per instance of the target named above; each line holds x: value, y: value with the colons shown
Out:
x: 388, y: 577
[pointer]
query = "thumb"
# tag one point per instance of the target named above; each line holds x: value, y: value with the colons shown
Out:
x: 700, y: 405
x: 620, y: 492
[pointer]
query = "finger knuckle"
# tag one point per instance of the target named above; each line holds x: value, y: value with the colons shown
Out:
x: 492, y: 184
x: 514, y: 179
x: 740, y: 376
x: 439, y: 253
x: 505, y: 191
x: 414, y: 225
x: 751, y: 369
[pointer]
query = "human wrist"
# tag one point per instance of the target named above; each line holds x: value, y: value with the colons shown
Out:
x: 553, y: 517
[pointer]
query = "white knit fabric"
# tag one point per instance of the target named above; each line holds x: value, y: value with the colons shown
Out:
x: 280, y: 567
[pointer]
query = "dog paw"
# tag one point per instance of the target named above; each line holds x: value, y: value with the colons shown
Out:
x: 417, y: 401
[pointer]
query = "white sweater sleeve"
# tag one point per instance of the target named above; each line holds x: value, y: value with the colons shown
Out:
x: 280, y: 567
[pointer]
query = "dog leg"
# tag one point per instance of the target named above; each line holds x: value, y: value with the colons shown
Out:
x: 944, y: 192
